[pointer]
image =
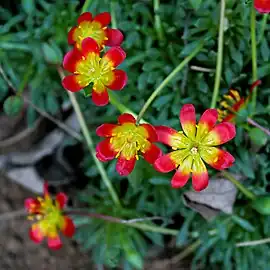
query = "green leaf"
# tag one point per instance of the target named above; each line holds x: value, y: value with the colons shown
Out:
x: 28, y: 6
x: 134, y: 258
x: 265, y: 50
x: 159, y: 180
x: 13, y: 105
x: 258, y: 136
x: 195, y: 3
x: 3, y: 89
x: 262, y: 205
x: 243, y: 223
x: 88, y: 90
x: 52, y: 104
x: 264, y: 70
x: 162, y: 101
x: 182, y: 236
x: 50, y: 54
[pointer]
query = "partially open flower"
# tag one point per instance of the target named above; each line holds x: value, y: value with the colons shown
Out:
x: 125, y: 142
x: 49, y: 219
x: 232, y: 103
x: 88, y: 68
x: 194, y: 146
x: 263, y: 6
x: 95, y: 28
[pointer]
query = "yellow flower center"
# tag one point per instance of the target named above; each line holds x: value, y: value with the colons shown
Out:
x: 90, y: 29
x: 128, y: 139
x: 93, y: 69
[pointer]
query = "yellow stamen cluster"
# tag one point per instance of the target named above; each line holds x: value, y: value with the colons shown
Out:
x: 128, y: 139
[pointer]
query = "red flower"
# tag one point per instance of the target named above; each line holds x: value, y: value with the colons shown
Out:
x: 233, y: 103
x: 95, y: 28
x: 50, y: 219
x: 87, y: 67
x: 193, y: 146
x: 263, y: 6
x: 124, y: 141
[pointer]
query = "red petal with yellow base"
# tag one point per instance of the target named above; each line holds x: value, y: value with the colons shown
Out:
x: 100, y: 98
x: 54, y: 242
x: 188, y: 120
x: 61, y: 199
x: 182, y: 174
x: 200, y: 177
x: 124, y: 167
x: 71, y: 59
x: 126, y: 118
x: 263, y: 6
x: 164, y: 134
x: 71, y: 83
x: 220, y: 134
x: 115, y: 37
x: 165, y: 164
x: 217, y: 158
x: 206, y: 122
x: 152, y: 154
x: 119, y: 80
x: 68, y: 228
x: 36, y: 234
x: 71, y: 39
x: 103, y: 18
x: 105, y: 130
x: 115, y: 55
x: 86, y: 16
x: 104, y: 151
x: 31, y: 204
x: 89, y: 45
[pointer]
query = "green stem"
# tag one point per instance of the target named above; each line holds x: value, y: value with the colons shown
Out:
x: 86, y: 5
x: 253, y: 55
x: 158, y: 25
x: 262, y: 28
x: 220, y: 55
x: 168, y: 79
x: 90, y: 143
x: 114, y: 22
x: 245, y: 191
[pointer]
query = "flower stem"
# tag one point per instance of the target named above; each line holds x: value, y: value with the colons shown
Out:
x: 255, y: 124
x: 86, y: 5
x: 253, y: 54
x: 158, y: 25
x: 220, y: 55
x: 138, y: 225
x: 90, y: 143
x: 262, y: 28
x: 112, y: 7
x: 245, y: 191
x: 168, y: 79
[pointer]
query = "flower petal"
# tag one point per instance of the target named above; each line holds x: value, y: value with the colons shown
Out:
x: 115, y: 55
x: 217, y: 158
x: 200, y: 177
x: 89, y: 45
x: 71, y: 39
x: 61, y: 199
x: 188, y: 120
x: 103, y: 18
x: 119, y: 80
x: 220, y: 134
x: 126, y: 118
x: 165, y: 164
x: 171, y: 137
x: 263, y: 6
x: 100, y: 98
x: 124, y: 167
x: 54, y: 242
x: 71, y: 59
x: 29, y: 203
x: 35, y: 233
x: 151, y: 132
x: 68, y: 228
x: 105, y: 130
x: 206, y: 123
x: 182, y: 174
x: 86, y: 16
x: 71, y: 83
x: 115, y: 37
x: 152, y: 154
x: 104, y: 151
